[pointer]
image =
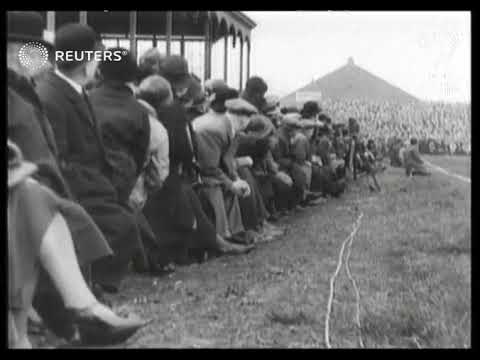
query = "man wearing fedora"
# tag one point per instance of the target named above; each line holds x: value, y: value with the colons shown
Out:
x: 83, y: 157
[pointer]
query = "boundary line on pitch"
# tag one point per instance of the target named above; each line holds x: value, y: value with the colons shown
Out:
x: 446, y: 172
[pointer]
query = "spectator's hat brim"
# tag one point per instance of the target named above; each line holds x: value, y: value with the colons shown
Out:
x: 19, y: 173
x: 240, y: 107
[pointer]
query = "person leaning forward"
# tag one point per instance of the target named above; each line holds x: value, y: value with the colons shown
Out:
x: 30, y: 129
x: 82, y: 154
x: 215, y: 132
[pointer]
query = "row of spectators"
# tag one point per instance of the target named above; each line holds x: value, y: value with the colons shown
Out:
x: 117, y: 167
x: 439, y: 127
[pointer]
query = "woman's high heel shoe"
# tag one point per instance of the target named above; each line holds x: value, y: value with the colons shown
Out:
x: 109, y: 329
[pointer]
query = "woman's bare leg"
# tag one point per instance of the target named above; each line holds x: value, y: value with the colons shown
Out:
x: 57, y: 256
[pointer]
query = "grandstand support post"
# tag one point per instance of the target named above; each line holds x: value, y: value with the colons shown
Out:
x: 225, y: 58
x: 248, y: 59
x: 83, y: 17
x: 133, y: 33
x: 208, y: 50
x: 51, y: 21
x: 182, y: 45
x: 168, y: 32
x: 241, y: 63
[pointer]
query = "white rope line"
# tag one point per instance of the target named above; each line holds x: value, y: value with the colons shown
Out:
x: 355, y: 288
x: 332, y: 281
x: 415, y: 340
x: 446, y: 172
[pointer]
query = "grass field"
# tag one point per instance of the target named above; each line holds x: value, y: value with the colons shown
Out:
x: 410, y: 258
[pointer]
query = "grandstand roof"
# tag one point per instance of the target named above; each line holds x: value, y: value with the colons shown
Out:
x: 350, y: 82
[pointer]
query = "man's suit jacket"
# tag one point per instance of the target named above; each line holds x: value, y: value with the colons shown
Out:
x: 125, y: 132
x: 123, y: 120
x: 25, y: 130
x: 81, y: 152
x: 216, y: 148
x: 182, y: 145
x: 291, y: 150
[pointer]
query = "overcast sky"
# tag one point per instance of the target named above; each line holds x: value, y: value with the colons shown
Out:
x: 425, y: 53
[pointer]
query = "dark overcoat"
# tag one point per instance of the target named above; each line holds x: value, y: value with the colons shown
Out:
x: 84, y: 165
x: 125, y: 129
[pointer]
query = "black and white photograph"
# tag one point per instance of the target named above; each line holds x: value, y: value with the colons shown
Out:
x: 239, y: 179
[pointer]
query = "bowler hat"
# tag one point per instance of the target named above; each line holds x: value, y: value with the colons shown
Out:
x: 310, y: 108
x: 256, y: 84
x: 175, y: 69
x: 124, y: 70
x: 76, y: 37
x: 27, y: 26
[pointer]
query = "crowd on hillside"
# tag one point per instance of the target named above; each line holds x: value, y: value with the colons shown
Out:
x: 439, y: 127
x: 117, y: 167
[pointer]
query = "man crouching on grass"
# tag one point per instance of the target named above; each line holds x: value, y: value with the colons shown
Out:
x: 413, y: 163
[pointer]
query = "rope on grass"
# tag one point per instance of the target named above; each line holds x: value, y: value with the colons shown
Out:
x: 357, y: 292
x: 332, y: 280
x: 446, y: 172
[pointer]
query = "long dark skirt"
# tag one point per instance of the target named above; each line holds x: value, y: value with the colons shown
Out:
x: 252, y: 207
x: 178, y: 222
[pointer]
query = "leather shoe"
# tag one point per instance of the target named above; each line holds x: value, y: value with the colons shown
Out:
x: 228, y: 248
x: 243, y: 238
x: 98, y: 325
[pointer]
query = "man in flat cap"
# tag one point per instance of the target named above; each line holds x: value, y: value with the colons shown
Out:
x: 174, y: 68
x: 82, y: 153
x: 222, y: 187
x: 285, y: 155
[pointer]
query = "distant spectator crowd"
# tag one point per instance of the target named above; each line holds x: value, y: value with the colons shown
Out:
x: 439, y: 127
